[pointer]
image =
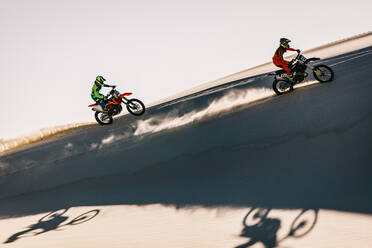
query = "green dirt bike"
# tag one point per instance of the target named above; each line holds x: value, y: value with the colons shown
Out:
x: 298, y: 65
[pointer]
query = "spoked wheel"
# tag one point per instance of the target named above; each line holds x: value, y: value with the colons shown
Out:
x: 135, y: 107
x: 102, y: 118
x: 304, y: 223
x: 84, y: 217
x: 323, y: 73
x: 282, y: 86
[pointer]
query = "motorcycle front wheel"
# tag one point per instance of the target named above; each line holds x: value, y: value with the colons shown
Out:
x: 282, y: 86
x: 323, y: 73
x: 102, y: 118
x: 135, y: 107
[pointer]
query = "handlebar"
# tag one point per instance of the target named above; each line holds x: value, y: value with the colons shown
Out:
x: 297, y: 56
x: 111, y: 91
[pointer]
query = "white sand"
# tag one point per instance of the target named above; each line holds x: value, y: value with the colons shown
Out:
x: 160, y: 226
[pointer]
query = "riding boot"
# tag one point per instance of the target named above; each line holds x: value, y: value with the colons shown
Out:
x: 105, y: 110
x: 291, y: 78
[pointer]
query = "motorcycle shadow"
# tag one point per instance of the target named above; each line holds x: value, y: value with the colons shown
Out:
x: 52, y: 221
x: 260, y: 228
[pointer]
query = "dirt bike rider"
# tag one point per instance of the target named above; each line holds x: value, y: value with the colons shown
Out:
x: 98, y: 97
x: 278, y: 59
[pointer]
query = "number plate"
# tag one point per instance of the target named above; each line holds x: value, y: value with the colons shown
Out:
x: 302, y: 58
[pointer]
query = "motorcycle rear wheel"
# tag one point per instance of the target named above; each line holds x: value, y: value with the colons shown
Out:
x: 282, y: 86
x: 323, y: 73
x: 100, y: 118
x: 135, y: 107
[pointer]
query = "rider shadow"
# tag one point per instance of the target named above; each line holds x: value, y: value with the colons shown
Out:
x: 262, y: 229
x: 52, y: 221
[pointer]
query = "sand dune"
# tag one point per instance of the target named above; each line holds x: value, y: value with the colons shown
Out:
x: 228, y: 166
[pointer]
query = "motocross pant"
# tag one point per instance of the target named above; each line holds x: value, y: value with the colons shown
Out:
x: 283, y: 64
x: 99, y: 101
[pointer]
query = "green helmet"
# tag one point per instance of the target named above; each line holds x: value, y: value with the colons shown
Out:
x: 284, y: 42
x: 100, y: 80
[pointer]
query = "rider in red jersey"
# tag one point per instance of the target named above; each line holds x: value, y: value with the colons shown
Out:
x: 278, y: 59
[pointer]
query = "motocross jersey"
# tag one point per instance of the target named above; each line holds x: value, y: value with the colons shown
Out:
x: 95, y: 91
x: 278, y: 56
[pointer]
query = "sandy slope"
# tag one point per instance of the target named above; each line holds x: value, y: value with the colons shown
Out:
x: 326, y: 51
x: 329, y: 50
x: 166, y: 181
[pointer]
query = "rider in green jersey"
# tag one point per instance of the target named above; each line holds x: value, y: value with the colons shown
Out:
x: 96, y: 96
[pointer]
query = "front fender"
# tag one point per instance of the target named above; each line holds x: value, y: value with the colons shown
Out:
x: 312, y: 59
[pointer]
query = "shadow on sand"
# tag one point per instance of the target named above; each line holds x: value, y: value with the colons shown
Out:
x: 260, y: 228
x: 52, y: 221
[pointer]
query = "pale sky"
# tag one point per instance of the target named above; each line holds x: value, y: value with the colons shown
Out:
x: 51, y: 51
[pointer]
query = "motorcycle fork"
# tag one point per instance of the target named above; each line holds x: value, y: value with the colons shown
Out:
x: 311, y: 66
x: 125, y: 100
x: 317, y: 72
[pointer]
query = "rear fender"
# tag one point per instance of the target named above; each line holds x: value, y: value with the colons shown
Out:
x: 96, y: 107
x: 279, y: 74
x: 282, y: 77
